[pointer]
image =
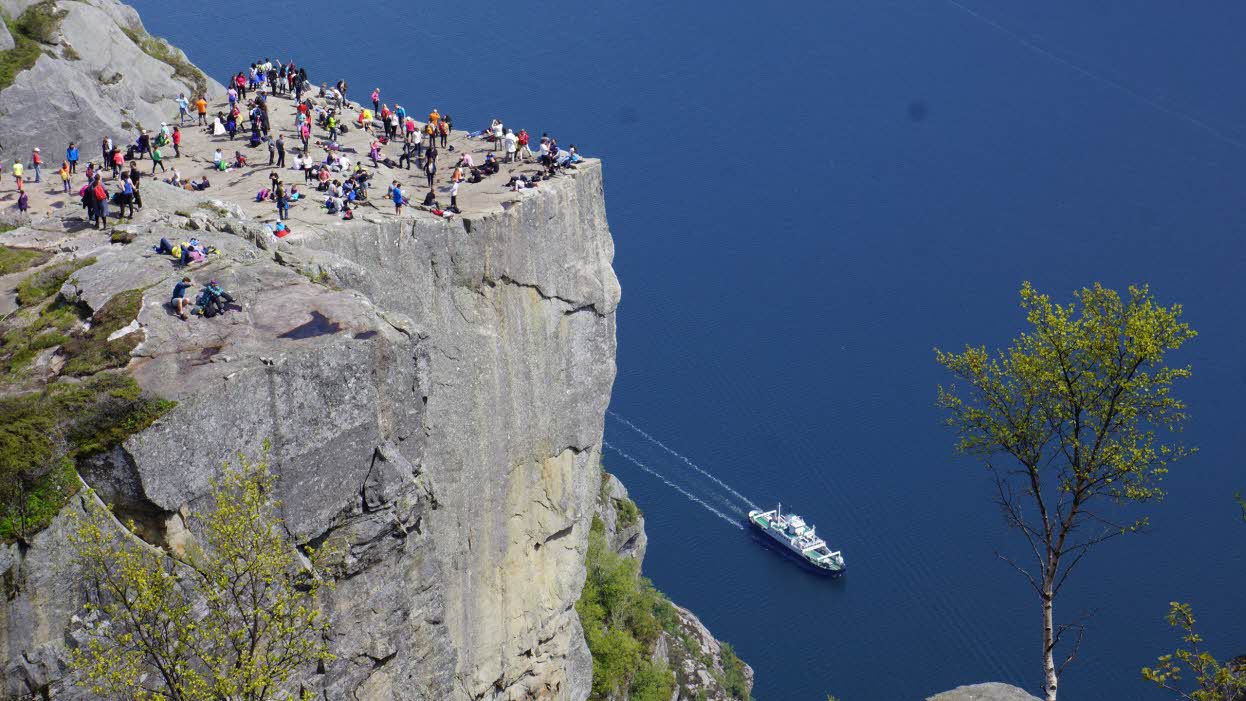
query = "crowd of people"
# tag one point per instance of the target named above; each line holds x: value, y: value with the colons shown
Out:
x: 111, y: 186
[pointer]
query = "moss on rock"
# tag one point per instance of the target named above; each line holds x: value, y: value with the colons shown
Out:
x: 44, y: 433
x: 47, y: 282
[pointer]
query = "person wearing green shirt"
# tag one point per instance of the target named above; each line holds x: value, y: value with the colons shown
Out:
x: 157, y: 160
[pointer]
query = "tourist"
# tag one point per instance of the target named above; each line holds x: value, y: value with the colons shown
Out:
x: 430, y: 168
x: 524, y: 152
x: 444, y: 130
x: 495, y: 134
x: 512, y: 145
x: 180, y: 302
x: 281, y: 151
x: 23, y: 203
x: 217, y: 157
x: 100, y: 197
x: 156, y: 160
x: 395, y: 191
x: 283, y: 201
x: 135, y: 177
x: 126, y: 199
x: 18, y: 177
x: 144, y: 144
x: 177, y: 141
x: 201, y: 106
x: 66, y: 176
x: 36, y: 162
x: 71, y: 156
x: 376, y: 100
x: 454, y: 197
x: 117, y: 160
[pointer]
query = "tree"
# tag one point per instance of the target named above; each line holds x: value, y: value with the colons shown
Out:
x: 231, y: 620
x: 1075, y: 421
x: 1213, y: 680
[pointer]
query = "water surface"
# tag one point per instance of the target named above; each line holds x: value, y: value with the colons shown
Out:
x: 806, y: 198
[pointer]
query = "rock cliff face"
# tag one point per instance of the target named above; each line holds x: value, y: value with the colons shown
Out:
x: 98, y: 72
x: 436, y: 406
x: 992, y: 691
x: 434, y: 399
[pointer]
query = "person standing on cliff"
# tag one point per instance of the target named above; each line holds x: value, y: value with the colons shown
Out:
x: 183, y: 109
x: 430, y: 166
x: 36, y: 162
x: 201, y: 106
x: 71, y: 156
x: 177, y: 141
x: 18, y: 170
x: 66, y: 176
x: 281, y: 151
x: 395, y: 191
x: 376, y: 100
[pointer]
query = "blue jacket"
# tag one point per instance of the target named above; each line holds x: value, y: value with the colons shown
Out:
x: 71, y: 154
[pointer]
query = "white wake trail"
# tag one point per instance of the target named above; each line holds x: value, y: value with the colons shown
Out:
x: 691, y: 497
x: 1032, y: 45
x: 681, y: 456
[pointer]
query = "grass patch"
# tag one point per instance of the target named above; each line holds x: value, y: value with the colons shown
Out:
x: 52, y: 327
x: 43, y: 434
x: 19, y: 58
x: 15, y: 260
x: 622, y: 615
x: 160, y: 50
x: 6, y: 228
x: 47, y: 282
x: 91, y: 352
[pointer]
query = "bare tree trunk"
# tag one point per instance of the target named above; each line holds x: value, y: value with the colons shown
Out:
x: 1049, y: 643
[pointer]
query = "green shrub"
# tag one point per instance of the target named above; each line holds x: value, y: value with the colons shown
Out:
x: 15, y: 260
x: 47, y: 282
x: 40, y: 22
x: 629, y: 513
x: 622, y: 615
x: 17, y: 59
x: 43, y: 433
x: 734, y: 680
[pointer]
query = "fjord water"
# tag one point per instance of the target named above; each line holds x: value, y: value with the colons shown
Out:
x: 806, y: 198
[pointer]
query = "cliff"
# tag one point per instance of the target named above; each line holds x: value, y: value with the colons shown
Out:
x: 431, y: 390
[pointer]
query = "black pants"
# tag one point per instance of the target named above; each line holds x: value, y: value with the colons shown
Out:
x: 430, y: 179
x: 281, y: 157
x: 454, y: 202
x: 177, y: 150
x: 405, y: 158
x: 73, y: 166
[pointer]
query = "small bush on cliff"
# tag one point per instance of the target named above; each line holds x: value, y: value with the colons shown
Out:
x: 42, y: 434
x: 234, y: 619
x: 629, y: 513
x: 41, y: 22
x: 622, y: 616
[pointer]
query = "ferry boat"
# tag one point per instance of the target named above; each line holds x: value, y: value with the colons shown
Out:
x: 799, y: 538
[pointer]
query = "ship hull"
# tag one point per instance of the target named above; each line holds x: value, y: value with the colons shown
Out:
x: 773, y: 543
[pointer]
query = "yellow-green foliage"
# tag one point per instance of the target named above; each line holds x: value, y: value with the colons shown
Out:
x: 622, y: 615
x: 1192, y: 673
x: 45, y: 283
x: 43, y: 433
x: 161, y: 51
x: 15, y: 260
x: 232, y: 619
x: 41, y: 22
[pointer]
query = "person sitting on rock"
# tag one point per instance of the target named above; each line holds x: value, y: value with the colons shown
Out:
x: 214, y: 300
x: 240, y: 161
x: 180, y: 302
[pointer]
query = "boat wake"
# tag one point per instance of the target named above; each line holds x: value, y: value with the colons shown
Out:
x: 682, y: 457
x: 1032, y: 44
x: 691, y: 497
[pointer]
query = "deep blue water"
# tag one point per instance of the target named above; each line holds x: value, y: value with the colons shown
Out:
x: 806, y: 198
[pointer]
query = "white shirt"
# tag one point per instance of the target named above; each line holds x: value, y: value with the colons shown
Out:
x: 511, y: 140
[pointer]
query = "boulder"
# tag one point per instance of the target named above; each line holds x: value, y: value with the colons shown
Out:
x: 991, y: 691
